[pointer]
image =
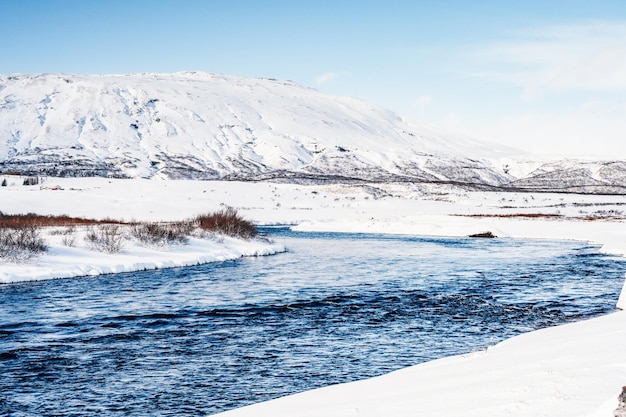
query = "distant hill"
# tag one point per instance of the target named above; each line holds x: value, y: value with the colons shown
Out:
x: 211, y: 126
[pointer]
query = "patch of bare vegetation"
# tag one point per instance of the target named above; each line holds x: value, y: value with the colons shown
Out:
x: 20, y: 243
x: 21, y: 234
x: 161, y: 234
x: 550, y: 216
x: 38, y: 220
x: 68, y: 233
x: 107, y: 238
x: 517, y: 215
x: 227, y: 222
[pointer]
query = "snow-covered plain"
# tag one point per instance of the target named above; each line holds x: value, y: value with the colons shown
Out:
x: 572, y: 370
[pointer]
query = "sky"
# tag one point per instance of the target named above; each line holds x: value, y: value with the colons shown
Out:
x: 547, y: 77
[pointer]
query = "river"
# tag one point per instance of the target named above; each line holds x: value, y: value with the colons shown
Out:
x: 334, y: 308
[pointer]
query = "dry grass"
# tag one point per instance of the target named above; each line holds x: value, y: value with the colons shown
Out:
x: 38, y: 220
x: 516, y: 215
x: 20, y: 234
x: 547, y: 216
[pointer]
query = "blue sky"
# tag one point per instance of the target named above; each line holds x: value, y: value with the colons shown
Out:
x: 545, y: 76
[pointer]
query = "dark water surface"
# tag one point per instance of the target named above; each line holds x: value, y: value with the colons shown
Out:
x: 335, y: 308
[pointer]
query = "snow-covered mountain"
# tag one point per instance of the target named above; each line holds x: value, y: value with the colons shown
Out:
x: 212, y: 126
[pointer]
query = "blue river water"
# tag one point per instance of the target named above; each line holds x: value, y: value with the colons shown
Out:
x: 334, y: 308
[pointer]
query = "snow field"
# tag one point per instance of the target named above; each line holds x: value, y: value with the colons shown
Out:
x: 62, y: 261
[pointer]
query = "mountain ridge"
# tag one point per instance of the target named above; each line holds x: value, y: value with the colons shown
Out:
x: 196, y: 125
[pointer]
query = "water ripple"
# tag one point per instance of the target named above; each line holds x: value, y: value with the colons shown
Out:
x: 335, y: 308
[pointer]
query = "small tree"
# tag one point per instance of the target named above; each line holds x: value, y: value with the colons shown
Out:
x: 4, y: 182
x: 31, y: 181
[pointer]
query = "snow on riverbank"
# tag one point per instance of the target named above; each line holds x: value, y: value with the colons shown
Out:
x: 61, y: 261
x: 572, y: 370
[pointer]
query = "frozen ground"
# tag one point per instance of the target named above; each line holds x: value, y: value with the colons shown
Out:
x: 572, y: 370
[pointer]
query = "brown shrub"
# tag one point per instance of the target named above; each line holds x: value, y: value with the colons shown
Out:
x: 38, y: 220
x: 227, y: 222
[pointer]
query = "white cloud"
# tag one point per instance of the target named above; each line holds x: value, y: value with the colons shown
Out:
x: 452, y: 121
x: 589, y: 57
x: 329, y: 76
x: 571, y: 81
x: 593, y: 129
x: 423, y: 101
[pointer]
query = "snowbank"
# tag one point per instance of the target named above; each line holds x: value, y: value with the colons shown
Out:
x: 621, y: 302
x: 66, y: 262
x: 571, y: 370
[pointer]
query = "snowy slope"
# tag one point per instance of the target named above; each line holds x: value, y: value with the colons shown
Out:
x: 194, y: 125
x: 199, y: 125
x: 607, y: 177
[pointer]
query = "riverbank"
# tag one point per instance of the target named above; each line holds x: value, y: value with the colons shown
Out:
x: 62, y: 261
x: 572, y: 370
